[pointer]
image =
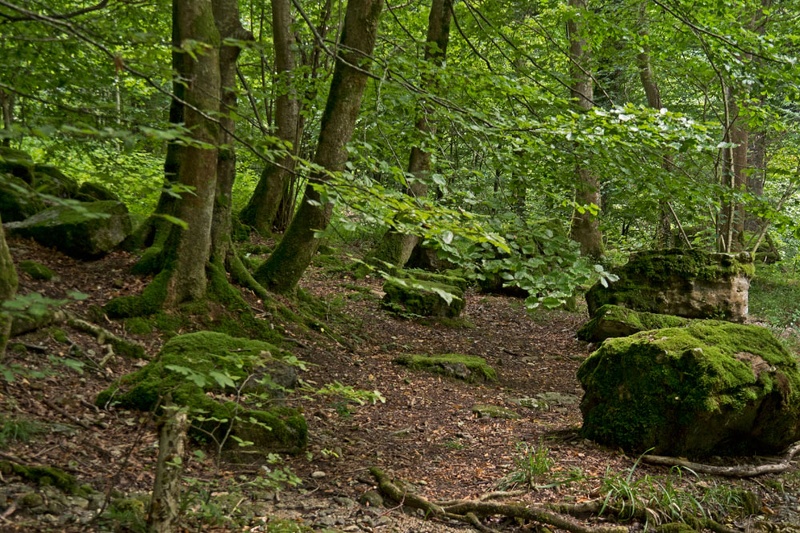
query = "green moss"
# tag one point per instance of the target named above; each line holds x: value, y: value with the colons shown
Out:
x: 36, y: 270
x: 31, y: 499
x: 467, y: 367
x: 151, y: 261
x: 59, y: 335
x: 46, y: 476
x: 138, y: 326
x: 147, y: 303
x: 616, y: 321
x: 190, y: 366
x: 494, y: 411
x: 652, y: 388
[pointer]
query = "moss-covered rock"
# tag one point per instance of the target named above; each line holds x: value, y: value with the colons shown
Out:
x: 44, y: 476
x: 193, y: 368
x: 50, y: 180
x: 494, y: 411
x: 94, y: 192
x: 708, y: 388
x: 36, y: 270
x: 423, y: 298
x: 85, y: 231
x: 688, y: 283
x: 18, y: 200
x: 16, y: 163
x: 616, y: 321
x: 466, y: 367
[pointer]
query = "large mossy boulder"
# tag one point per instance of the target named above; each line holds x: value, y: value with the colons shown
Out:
x: 201, y: 371
x: 84, y: 231
x: 687, y: 283
x: 16, y: 163
x: 436, y: 296
x: 710, y: 388
x: 616, y: 321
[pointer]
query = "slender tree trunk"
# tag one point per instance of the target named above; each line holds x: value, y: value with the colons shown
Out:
x: 188, y: 248
x: 165, y: 504
x: 263, y: 206
x: 8, y: 288
x: 734, y: 173
x: 585, y: 226
x: 664, y: 237
x: 7, y: 107
x: 226, y: 16
x: 396, y: 248
x: 281, y: 272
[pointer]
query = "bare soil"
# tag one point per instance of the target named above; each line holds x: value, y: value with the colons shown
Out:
x: 419, y: 427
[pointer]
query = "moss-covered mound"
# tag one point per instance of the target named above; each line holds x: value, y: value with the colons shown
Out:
x: 36, y: 270
x: 424, y: 298
x: 711, y: 387
x: 469, y: 368
x: 195, y: 368
x: 688, y: 283
x: 616, y: 321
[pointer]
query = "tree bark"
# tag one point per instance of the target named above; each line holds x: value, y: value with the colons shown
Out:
x: 226, y: 17
x: 281, y: 272
x: 8, y: 288
x: 165, y: 503
x: 262, y: 209
x: 585, y: 226
x: 7, y: 107
x: 396, y: 248
x: 188, y: 249
x: 734, y: 174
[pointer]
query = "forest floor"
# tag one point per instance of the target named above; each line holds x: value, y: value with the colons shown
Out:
x: 418, y: 427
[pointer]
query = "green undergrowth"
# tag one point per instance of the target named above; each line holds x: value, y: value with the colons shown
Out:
x: 774, y: 296
x: 13, y: 430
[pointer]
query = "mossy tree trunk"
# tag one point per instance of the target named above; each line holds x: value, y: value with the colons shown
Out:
x: 396, y: 248
x: 585, y: 226
x: 187, y: 249
x: 283, y: 269
x: 262, y: 208
x: 8, y: 288
x: 226, y: 17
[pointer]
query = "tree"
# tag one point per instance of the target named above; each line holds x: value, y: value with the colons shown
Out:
x: 585, y: 226
x: 283, y: 269
x: 262, y: 209
x: 395, y: 248
x: 8, y: 288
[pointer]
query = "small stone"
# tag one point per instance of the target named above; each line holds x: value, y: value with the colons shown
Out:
x: 371, y: 498
x: 344, y: 502
x: 31, y: 499
x: 319, y: 474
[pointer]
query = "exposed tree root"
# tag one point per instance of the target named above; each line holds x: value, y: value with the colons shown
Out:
x: 468, y: 511
x: 59, y: 316
x: 729, y: 471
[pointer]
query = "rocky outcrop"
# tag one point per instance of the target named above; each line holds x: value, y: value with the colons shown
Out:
x: 424, y: 294
x: 615, y: 321
x: 710, y: 388
x: 687, y: 283
x: 84, y: 231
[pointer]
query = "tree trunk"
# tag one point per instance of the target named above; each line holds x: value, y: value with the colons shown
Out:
x: 165, y: 502
x: 262, y: 208
x: 226, y: 16
x: 664, y: 237
x: 188, y: 249
x: 734, y: 174
x: 585, y: 227
x: 396, y: 248
x: 8, y: 288
x: 7, y: 107
x: 281, y: 272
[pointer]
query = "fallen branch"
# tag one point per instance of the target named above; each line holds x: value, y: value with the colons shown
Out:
x: 729, y: 471
x: 468, y: 511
